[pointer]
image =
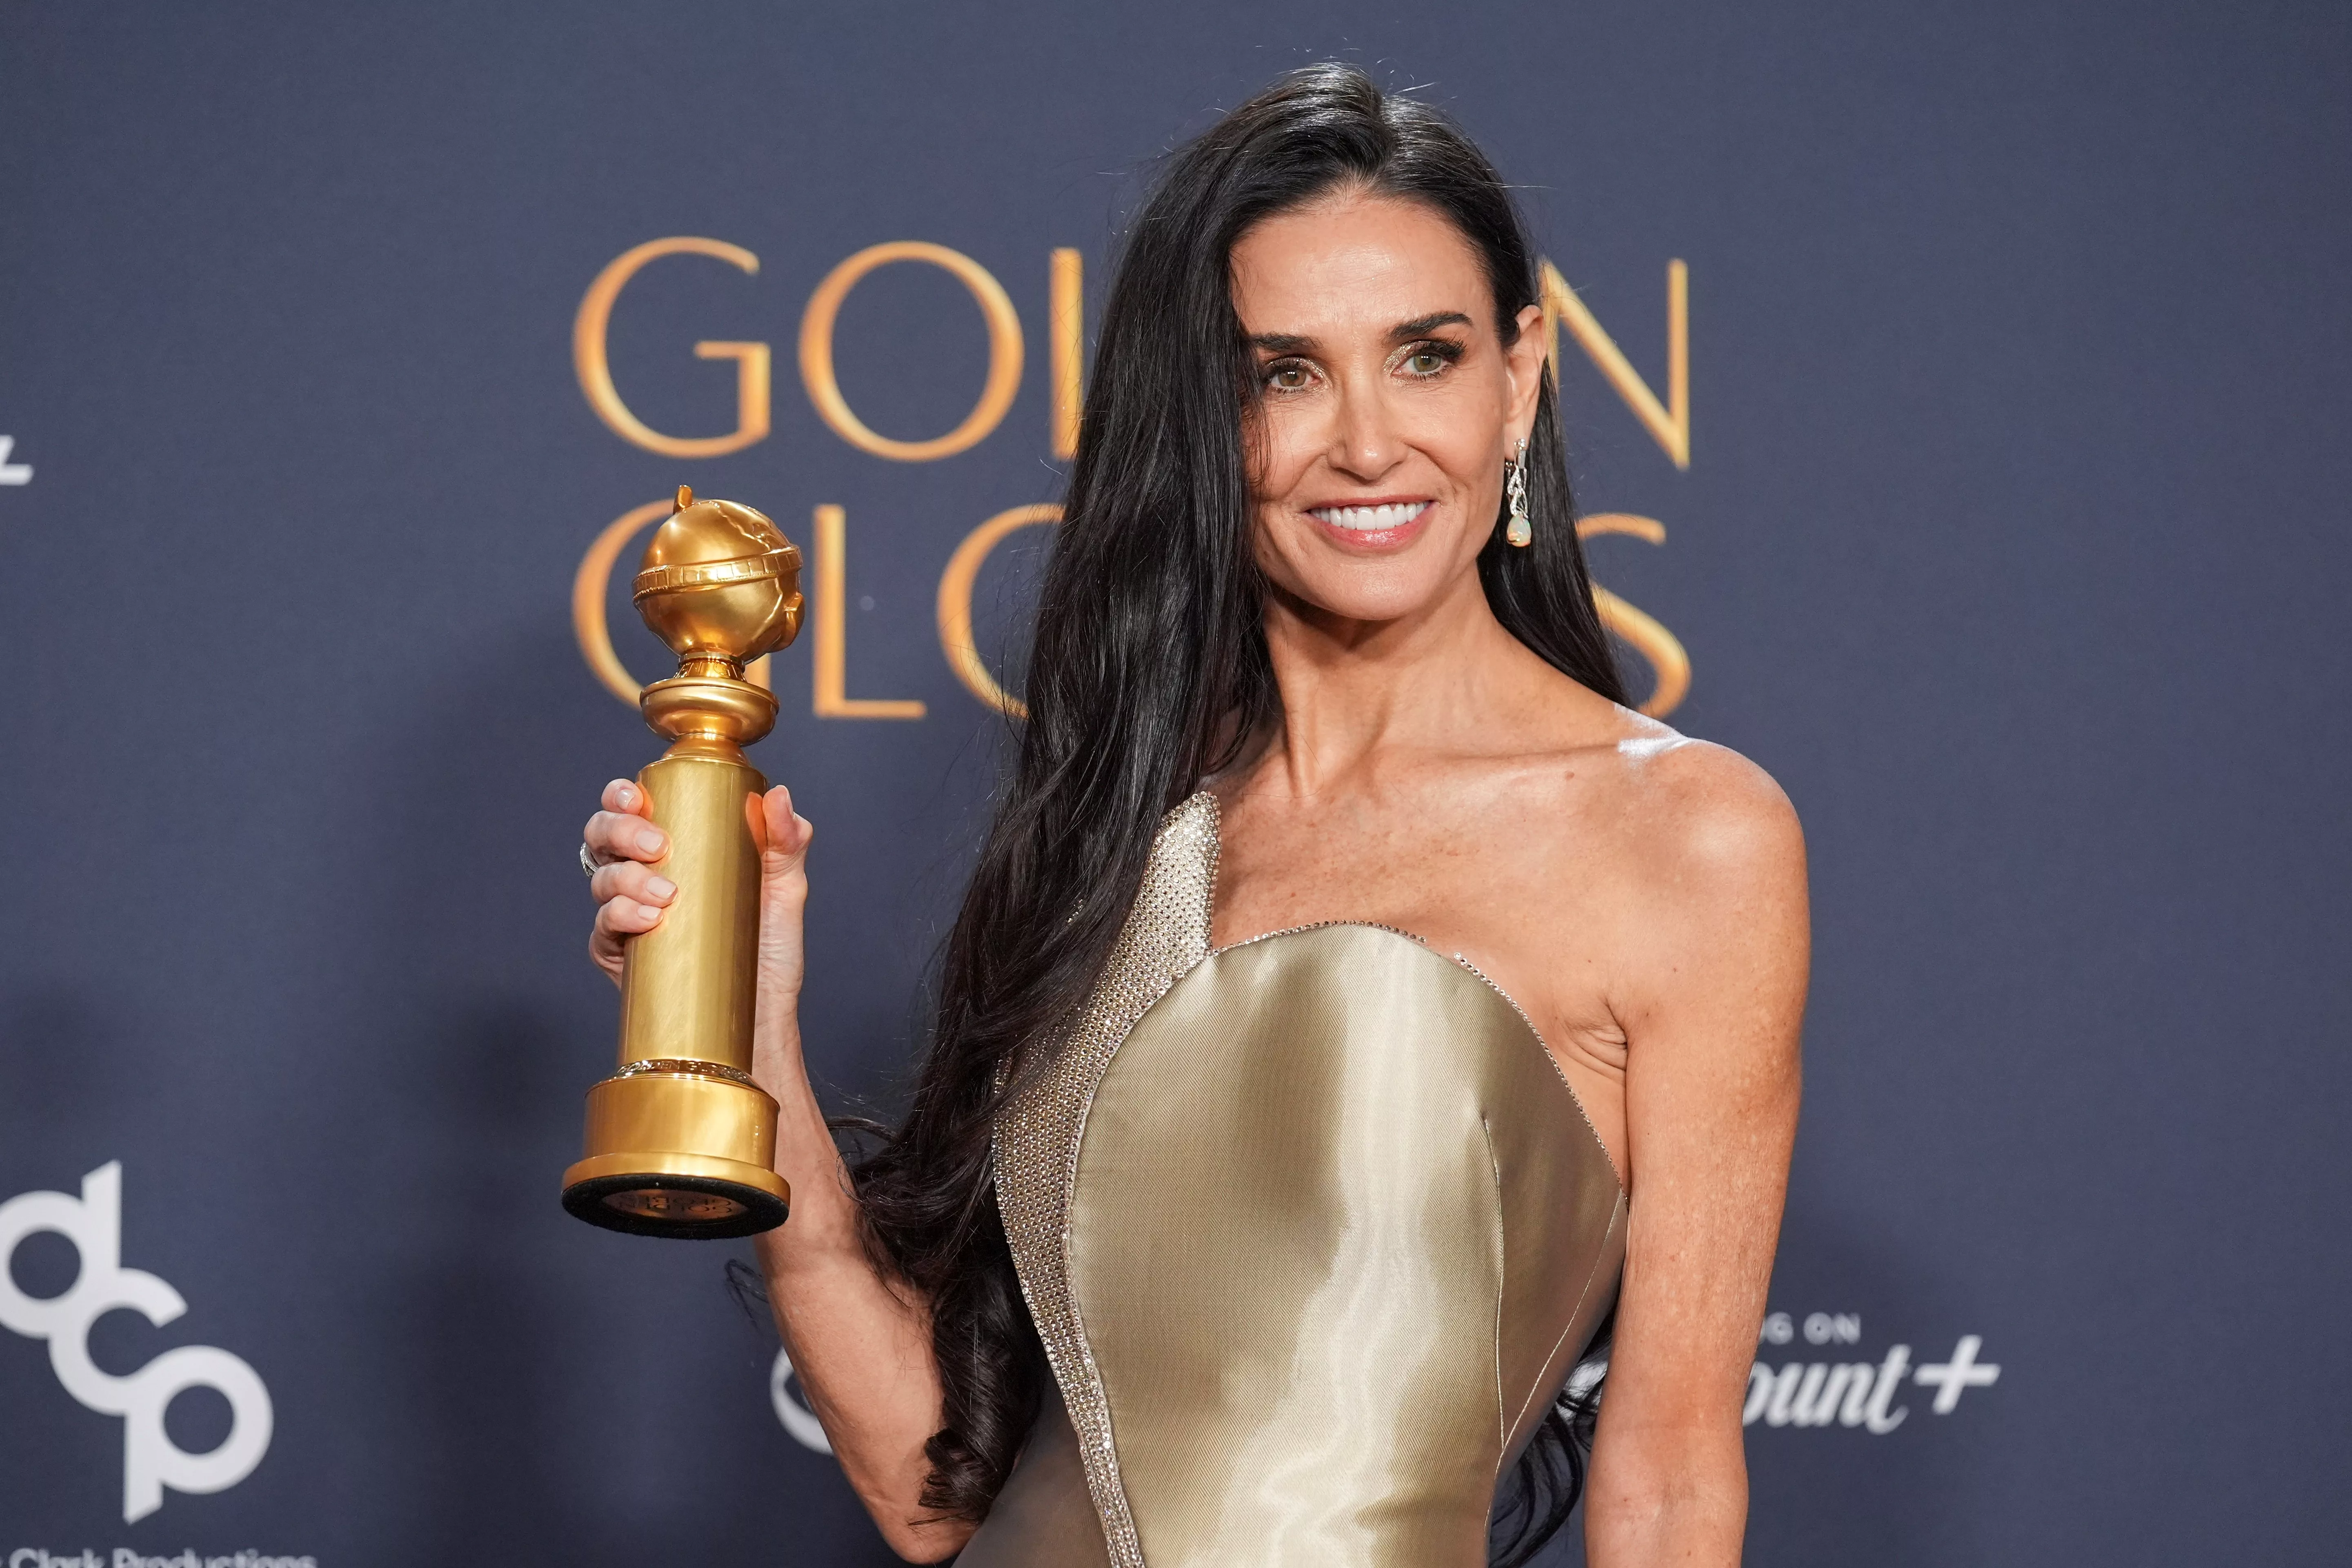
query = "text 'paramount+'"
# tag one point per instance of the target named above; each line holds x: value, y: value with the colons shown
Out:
x: 1853, y: 1394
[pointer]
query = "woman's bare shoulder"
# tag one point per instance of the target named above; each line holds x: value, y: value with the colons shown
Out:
x: 1693, y: 812
x: 1698, y: 870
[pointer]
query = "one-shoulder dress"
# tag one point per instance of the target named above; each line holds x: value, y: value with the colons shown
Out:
x: 1313, y: 1229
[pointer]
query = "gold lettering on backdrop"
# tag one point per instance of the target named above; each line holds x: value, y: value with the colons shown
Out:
x: 590, y: 328
x: 1004, y: 350
x: 593, y: 582
x: 1666, y: 420
x: 1668, y: 662
x: 832, y: 661
x: 955, y: 604
x: 1669, y: 422
x: 1066, y: 315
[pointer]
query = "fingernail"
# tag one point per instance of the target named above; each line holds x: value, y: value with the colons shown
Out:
x: 660, y: 888
x: 626, y: 796
x: 648, y: 840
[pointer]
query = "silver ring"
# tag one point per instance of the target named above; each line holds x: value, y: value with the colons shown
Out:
x: 588, y: 861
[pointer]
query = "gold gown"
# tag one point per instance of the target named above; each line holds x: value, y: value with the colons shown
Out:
x: 1313, y: 1229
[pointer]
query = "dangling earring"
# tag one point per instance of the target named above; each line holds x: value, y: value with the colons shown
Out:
x: 1521, y: 532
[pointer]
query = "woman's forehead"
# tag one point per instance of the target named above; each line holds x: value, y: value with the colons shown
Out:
x: 1354, y: 264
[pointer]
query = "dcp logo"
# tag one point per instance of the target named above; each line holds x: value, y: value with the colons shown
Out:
x: 150, y: 1461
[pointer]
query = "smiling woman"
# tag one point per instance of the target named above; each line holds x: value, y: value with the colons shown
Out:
x: 1356, y: 1008
x: 1376, y: 431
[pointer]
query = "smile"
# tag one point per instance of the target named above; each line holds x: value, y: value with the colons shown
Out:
x: 1369, y: 519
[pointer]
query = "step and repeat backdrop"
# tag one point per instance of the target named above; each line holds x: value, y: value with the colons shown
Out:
x: 1958, y: 398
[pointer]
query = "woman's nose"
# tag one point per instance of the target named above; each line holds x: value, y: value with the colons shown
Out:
x: 1366, y: 443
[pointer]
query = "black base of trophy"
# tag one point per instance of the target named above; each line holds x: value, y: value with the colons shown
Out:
x: 681, y: 1207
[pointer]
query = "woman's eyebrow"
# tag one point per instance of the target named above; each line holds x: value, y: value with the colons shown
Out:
x: 1421, y: 326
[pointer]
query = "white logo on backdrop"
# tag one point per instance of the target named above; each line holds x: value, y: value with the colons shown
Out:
x: 151, y: 1460
x: 798, y: 1418
x: 13, y: 473
x: 1854, y: 1393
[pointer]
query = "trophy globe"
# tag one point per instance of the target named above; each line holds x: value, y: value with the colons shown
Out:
x: 721, y: 584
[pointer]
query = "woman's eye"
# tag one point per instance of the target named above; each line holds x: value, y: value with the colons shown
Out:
x: 1288, y: 378
x: 1426, y: 361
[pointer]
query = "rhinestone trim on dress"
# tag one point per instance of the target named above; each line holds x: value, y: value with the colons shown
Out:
x: 1038, y: 1133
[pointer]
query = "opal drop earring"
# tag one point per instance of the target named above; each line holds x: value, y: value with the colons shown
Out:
x: 1520, y: 531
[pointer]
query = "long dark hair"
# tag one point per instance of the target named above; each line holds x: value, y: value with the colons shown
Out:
x: 1148, y: 673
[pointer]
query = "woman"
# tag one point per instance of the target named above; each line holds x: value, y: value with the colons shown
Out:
x: 1353, y: 998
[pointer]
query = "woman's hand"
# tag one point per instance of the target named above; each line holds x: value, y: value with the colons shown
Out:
x: 630, y: 894
x: 782, y: 836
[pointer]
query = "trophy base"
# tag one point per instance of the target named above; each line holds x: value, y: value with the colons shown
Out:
x: 680, y: 1149
x: 679, y: 1196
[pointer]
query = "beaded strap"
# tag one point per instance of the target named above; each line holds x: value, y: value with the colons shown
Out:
x: 1037, y: 1135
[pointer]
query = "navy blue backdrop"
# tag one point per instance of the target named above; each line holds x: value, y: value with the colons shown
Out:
x: 2013, y: 541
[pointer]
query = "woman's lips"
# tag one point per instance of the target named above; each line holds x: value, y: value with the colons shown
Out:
x: 1381, y: 525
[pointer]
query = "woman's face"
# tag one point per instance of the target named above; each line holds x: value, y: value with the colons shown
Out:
x: 1388, y: 403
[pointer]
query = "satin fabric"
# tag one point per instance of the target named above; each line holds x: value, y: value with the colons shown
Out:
x: 1336, y: 1232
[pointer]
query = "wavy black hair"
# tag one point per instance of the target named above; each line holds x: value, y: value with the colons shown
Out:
x: 1148, y: 673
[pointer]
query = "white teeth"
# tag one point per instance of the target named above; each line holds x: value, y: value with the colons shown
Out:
x: 1371, y: 519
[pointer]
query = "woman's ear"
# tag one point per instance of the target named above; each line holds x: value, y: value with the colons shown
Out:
x: 1524, y: 362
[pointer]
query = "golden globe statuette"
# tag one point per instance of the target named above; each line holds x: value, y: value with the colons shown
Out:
x: 681, y: 1142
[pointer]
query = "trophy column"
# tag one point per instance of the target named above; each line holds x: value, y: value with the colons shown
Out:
x: 680, y: 1142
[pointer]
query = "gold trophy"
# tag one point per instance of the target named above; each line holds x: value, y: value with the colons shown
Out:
x: 681, y: 1142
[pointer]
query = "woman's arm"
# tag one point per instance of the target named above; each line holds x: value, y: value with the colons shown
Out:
x: 860, y: 1342
x: 1711, y: 993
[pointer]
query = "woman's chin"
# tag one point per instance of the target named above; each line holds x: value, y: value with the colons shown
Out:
x: 1369, y: 595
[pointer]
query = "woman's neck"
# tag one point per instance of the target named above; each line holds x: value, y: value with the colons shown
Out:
x: 1356, y: 694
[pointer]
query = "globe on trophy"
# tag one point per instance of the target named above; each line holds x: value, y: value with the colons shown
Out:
x: 680, y: 1142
